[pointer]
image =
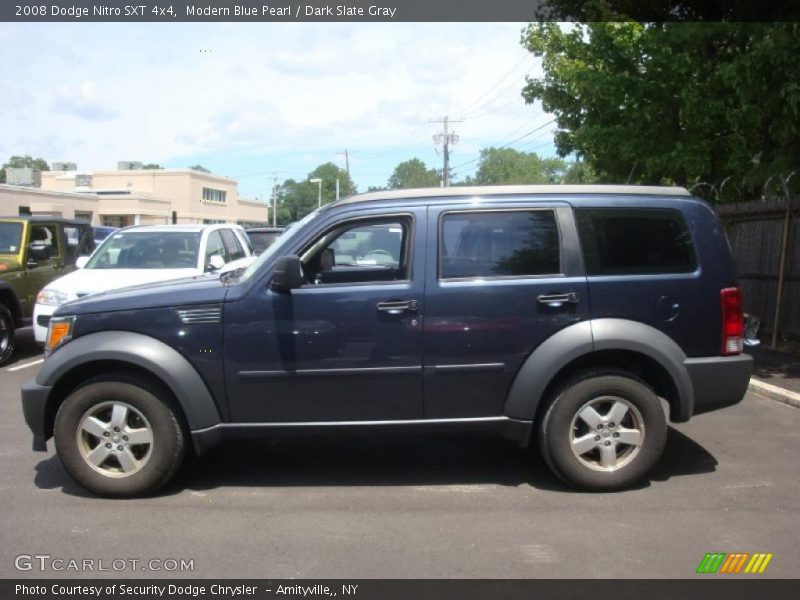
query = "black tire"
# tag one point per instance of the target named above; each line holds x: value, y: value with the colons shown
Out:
x: 561, y: 424
x: 159, y: 461
x: 8, y: 337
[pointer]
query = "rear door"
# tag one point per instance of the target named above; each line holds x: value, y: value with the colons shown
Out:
x: 499, y: 281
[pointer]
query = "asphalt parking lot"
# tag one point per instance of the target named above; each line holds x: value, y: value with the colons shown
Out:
x: 414, y: 506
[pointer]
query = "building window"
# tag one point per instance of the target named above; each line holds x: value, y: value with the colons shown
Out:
x: 212, y: 195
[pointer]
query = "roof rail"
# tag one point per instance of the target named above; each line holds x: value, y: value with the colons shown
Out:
x: 508, y: 190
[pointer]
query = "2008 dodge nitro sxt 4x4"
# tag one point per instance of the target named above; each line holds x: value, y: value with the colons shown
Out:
x: 561, y: 314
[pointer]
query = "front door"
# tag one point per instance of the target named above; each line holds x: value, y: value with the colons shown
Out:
x: 44, y: 257
x: 347, y: 346
x: 500, y: 281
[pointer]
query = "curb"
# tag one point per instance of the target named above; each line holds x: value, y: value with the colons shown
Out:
x: 773, y: 392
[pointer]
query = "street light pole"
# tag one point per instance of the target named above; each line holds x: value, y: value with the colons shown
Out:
x: 319, y: 193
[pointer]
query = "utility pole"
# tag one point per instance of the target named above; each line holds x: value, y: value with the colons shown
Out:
x: 346, y: 155
x: 443, y: 140
x: 274, y: 200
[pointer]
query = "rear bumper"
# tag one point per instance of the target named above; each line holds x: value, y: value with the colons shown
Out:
x: 719, y: 381
x: 34, y: 405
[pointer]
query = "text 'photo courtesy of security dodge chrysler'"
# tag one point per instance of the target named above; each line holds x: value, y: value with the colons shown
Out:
x: 577, y: 318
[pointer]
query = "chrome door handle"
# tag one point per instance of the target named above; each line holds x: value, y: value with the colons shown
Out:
x: 556, y: 300
x: 397, y: 307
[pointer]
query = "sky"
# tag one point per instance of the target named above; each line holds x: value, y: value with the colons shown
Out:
x: 257, y: 100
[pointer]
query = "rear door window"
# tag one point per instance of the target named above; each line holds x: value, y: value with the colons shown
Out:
x: 513, y: 243
x: 625, y: 241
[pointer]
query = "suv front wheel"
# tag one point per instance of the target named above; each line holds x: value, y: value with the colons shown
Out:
x: 603, y: 431
x: 118, y: 439
x: 7, y: 336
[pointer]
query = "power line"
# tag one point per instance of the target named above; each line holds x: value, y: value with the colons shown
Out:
x: 523, y: 136
x: 494, y: 87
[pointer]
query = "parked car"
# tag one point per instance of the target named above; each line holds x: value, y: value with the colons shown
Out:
x: 555, y: 315
x: 101, y: 232
x: 33, y: 252
x: 145, y: 254
x: 262, y: 238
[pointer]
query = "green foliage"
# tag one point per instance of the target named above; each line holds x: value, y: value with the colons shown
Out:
x: 200, y: 168
x: 298, y: 198
x: 153, y: 166
x: 295, y: 200
x: 329, y: 173
x: 672, y: 102
x: 19, y: 162
x: 413, y: 174
x: 500, y: 166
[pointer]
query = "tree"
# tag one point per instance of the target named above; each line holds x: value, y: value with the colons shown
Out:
x: 413, y: 174
x: 200, y: 168
x: 154, y: 166
x: 499, y: 166
x: 329, y: 173
x: 295, y: 200
x: 672, y: 102
x: 20, y: 162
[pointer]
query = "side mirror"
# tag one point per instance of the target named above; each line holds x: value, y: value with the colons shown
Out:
x: 38, y: 252
x: 81, y: 261
x: 287, y: 275
x: 215, y: 263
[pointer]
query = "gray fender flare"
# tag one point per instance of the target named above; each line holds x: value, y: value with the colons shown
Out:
x: 145, y: 352
x: 586, y: 337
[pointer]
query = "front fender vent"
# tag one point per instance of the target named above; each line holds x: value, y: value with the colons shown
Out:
x: 206, y: 314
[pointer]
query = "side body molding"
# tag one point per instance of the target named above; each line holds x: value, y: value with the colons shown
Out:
x: 542, y: 365
x: 620, y: 334
x: 145, y: 352
x: 584, y: 338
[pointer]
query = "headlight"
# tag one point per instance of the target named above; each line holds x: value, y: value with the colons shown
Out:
x: 59, y: 332
x: 52, y: 297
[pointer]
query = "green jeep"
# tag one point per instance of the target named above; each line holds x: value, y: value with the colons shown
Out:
x: 33, y: 252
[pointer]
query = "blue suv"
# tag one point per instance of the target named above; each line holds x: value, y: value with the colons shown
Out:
x: 575, y: 316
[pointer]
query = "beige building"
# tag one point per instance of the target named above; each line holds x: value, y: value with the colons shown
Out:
x: 134, y: 197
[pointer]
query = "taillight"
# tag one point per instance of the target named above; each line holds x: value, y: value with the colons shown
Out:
x: 732, y: 320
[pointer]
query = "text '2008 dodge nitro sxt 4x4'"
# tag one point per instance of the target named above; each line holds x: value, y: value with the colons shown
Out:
x: 561, y: 314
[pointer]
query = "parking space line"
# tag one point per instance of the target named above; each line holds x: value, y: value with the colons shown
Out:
x: 26, y: 365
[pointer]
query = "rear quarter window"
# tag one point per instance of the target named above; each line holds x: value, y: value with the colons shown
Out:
x: 635, y: 241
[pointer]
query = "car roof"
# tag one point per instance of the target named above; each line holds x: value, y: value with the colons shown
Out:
x: 188, y: 228
x: 265, y: 229
x: 44, y: 218
x: 438, y: 193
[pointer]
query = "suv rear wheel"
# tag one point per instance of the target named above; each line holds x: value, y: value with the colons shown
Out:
x: 7, y: 337
x: 603, y: 431
x: 118, y: 439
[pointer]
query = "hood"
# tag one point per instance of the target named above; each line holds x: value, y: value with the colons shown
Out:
x: 84, y: 282
x: 9, y: 263
x: 200, y: 289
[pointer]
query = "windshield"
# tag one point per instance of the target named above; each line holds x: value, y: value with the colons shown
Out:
x: 261, y: 240
x: 147, y: 250
x: 285, y: 238
x: 10, y: 237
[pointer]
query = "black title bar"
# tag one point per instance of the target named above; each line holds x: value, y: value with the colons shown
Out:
x: 169, y: 11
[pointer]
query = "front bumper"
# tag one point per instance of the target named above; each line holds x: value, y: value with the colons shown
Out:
x: 34, y: 407
x: 719, y: 381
